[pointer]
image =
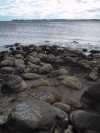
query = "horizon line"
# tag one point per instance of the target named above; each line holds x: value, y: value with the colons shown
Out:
x: 50, y: 19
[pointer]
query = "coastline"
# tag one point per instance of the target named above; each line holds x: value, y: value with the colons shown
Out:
x: 47, y: 75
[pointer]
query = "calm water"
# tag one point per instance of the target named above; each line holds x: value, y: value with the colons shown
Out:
x: 65, y: 32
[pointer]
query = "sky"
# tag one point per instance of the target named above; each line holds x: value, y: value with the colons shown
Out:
x: 49, y: 9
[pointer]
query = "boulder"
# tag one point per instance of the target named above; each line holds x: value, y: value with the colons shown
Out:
x: 40, y: 82
x: 7, y: 70
x: 59, y: 60
x: 65, y: 107
x: 60, y: 72
x: 72, y: 82
x: 19, y: 65
x: 85, y: 64
x: 93, y: 75
x: 33, y: 68
x: 51, y: 58
x: 19, y: 56
x: 45, y: 94
x: 30, y: 76
x: 69, y: 129
x: 4, y: 117
x: 45, y: 68
x: 84, y: 120
x: 12, y: 84
x: 90, y: 98
x: 34, y: 60
x: 35, y: 114
x: 7, y: 62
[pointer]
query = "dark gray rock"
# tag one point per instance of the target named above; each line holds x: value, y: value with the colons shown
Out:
x: 35, y: 114
x: 83, y: 120
x: 60, y: 72
x: 90, y: 98
x: 7, y: 62
x: 7, y: 70
x: 12, y: 84
x: 30, y: 76
x: 33, y: 68
x: 34, y: 60
x: 45, y: 68
x: 65, y: 107
x: 93, y: 75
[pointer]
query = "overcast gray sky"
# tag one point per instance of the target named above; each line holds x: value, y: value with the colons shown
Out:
x: 41, y: 9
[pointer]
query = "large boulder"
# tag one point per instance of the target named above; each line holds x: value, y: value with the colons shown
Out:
x: 83, y: 120
x: 35, y: 114
x: 90, y: 98
x: 45, y: 94
x: 12, y: 84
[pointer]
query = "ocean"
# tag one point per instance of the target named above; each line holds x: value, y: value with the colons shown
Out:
x: 64, y: 33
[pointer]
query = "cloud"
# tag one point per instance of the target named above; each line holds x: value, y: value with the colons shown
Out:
x: 30, y: 9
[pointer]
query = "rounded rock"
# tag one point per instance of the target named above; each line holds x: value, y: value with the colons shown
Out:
x: 12, y: 84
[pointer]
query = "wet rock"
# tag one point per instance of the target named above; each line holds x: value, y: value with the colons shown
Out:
x: 30, y: 76
x: 19, y: 56
x: 65, y: 107
x: 69, y: 129
x: 45, y: 94
x: 7, y: 62
x: 83, y: 120
x: 85, y: 64
x: 19, y: 65
x: 93, y: 75
x: 89, y: 131
x: 71, y: 60
x: 91, y: 98
x: 51, y: 58
x: 72, y: 82
x: 33, y: 68
x: 34, y: 60
x: 46, y: 68
x: 40, y: 82
x: 73, y: 102
x: 94, y: 52
x: 85, y: 50
x: 57, y: 130
x: 12, y: 84
x: 59, y: 60
x: 35, y: 114
x: 4, y: 116
x: 7, y: 70
x: 60, y: 72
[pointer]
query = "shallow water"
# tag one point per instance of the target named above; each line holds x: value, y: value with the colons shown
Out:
x: 65, y: 32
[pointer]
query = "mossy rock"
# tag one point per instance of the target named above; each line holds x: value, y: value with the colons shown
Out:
x: 72, y: 82
x: 4, y: 116
x: 40, y: 82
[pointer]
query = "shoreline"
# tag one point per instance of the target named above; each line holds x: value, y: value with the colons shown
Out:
x: 42, y: 85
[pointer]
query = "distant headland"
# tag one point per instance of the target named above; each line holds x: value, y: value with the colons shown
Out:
x: 53, y: 20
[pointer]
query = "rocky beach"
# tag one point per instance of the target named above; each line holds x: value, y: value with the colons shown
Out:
x: 49, y: 89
